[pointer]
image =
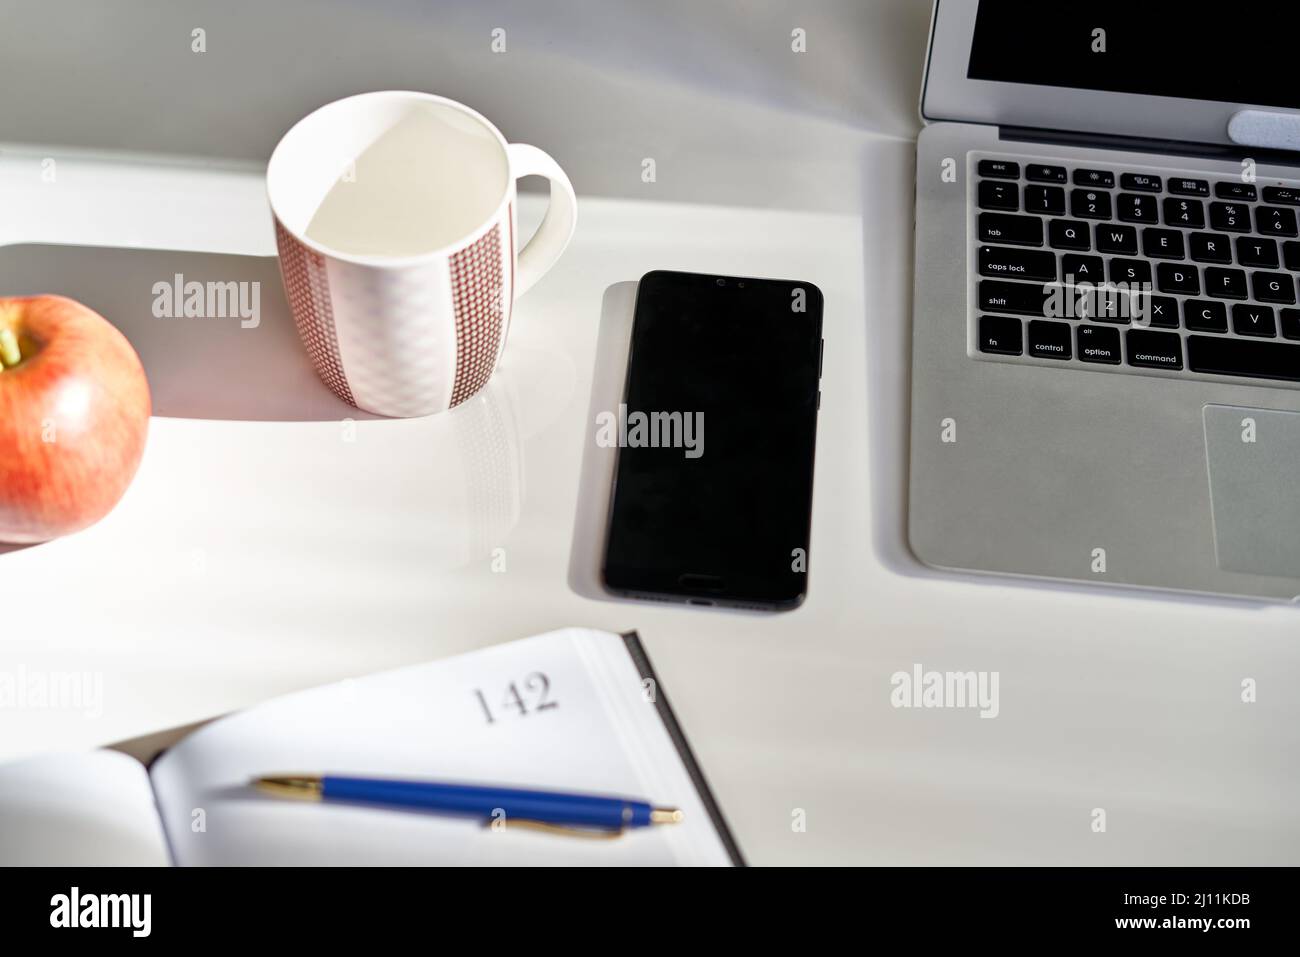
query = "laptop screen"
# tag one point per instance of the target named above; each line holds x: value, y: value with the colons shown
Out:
x: 1241, y: 53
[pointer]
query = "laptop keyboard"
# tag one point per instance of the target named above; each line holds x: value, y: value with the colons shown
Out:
x: 1134, y: 270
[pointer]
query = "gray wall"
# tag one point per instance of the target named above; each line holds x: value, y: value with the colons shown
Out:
x: 711, y: 90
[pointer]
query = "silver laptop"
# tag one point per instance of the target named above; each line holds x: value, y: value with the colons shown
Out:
x: 1106, y: 334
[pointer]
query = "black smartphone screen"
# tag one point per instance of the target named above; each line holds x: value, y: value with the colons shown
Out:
x: 712, y: 498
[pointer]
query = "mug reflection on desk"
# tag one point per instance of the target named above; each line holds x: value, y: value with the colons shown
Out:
x: 482, y: 479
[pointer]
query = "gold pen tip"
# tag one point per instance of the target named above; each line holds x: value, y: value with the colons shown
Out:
x: 290, y: 785
x: 665, y: 815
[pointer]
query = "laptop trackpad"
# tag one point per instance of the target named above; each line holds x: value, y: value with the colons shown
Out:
x: 1254, y: 462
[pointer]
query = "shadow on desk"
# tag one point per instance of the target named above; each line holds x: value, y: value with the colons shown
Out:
x: 612, y: 342
x: 248, y: 365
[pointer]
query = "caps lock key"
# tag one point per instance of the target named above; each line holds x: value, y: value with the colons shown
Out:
x: 1036, y: 265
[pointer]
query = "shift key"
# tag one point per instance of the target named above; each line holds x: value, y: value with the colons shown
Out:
x: 1017, y: 230
x: 1010, y: 263
x: 1021, y: 298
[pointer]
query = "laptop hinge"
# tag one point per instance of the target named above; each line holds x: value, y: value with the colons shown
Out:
x: 1139, y: 144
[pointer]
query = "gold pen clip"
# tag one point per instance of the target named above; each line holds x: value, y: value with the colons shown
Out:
x: 590, y: 833
x: 657, y: 816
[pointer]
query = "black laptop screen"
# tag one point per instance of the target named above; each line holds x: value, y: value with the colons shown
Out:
x: 1237, y: 53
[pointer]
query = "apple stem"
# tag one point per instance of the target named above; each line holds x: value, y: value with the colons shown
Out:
x: 9, y: 352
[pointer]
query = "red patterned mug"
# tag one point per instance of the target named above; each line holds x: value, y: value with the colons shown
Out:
x: 395, y: 220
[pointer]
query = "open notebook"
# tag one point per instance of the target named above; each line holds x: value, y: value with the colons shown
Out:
x: 573, y: 710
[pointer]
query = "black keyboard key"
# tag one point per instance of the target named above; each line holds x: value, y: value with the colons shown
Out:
x: 1225, y: 283
x: 1290, y: 321
x: 1049, y: 340
x: 1098, y: 343
x: 1184, y: 212
x: 1017, y: 230
x: 1099, y: 178
x: 1135, y: 208
x: 1242, y: 191
x: 1106, y: 303
x: 1022, y: 298
x: 1275, y: 221
x: 1252, y: 320
x: 1076, y: 268
x: 1291, y: 255
x: 1000, y: 335
x: 1256, y: 253
x: 1161, y: 312
x: 1069, y: 234
x: 1130, y: 271
x: 1220, y: 355
x: 1273, y: 287
x: 1230, y: 217
x: 1205, y: 315
x: 1001, y: 169
x: 1162, y: 243
x: 1012, y: 263
x: 1046, y: 200
x: 1118, y: 240
x: 1175, y: 277
x: 1154, y: 350
x: 1140, y: 181
x: 1089, y: 204
x: 1038, y: 173
x: 995, y: 194
x: 1286, y: 195
x: 1189, y: 187
x: 1210, y: 248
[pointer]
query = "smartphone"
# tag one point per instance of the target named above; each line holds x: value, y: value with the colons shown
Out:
x: 712, y: 496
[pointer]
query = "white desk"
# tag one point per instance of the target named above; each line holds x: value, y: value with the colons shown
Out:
x: 251, y: 558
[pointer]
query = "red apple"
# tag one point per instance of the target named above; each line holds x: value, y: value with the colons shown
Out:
x: 74, y: 411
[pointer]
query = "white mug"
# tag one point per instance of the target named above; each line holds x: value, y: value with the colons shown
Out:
x: 402, y: 291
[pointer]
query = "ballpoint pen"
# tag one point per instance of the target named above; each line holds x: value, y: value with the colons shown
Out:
x: 549, y: 810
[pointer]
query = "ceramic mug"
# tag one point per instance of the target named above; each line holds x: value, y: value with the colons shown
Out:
x: 396, y: 227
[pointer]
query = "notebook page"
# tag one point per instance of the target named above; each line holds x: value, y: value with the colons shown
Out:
x: 79, y: 810
x: 532, y: 713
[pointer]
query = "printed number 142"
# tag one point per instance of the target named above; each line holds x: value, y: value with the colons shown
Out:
x: 533, y: 697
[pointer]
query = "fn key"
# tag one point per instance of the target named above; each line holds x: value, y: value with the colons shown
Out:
x: 1000, y: 335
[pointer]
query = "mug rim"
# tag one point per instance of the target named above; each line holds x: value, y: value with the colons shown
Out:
x: 396, y: 262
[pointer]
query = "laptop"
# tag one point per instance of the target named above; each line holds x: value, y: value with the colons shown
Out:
x: 1106, y: 332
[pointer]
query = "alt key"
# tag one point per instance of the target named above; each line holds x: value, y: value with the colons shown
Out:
x: 1099, y: 344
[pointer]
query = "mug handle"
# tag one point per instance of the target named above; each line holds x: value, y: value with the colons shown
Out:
x: 539, y: 254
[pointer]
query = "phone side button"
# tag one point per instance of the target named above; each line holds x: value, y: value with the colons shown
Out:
x: 821, y: 352
x: 819, y: 400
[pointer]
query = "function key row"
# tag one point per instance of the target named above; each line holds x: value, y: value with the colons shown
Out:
x: 1138, y: 182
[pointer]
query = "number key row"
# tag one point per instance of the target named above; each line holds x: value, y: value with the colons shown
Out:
x: 1004, y: 196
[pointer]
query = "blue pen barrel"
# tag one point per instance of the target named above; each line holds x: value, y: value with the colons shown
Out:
x: 575, y: 810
